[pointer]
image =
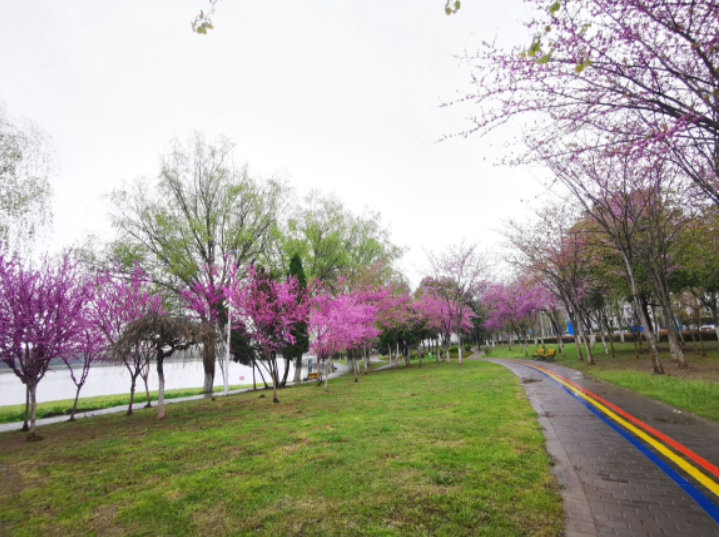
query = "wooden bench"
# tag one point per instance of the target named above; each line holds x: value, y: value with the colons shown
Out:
x: 540, y: 353
x: 313, y: 376
x: 550, y: 355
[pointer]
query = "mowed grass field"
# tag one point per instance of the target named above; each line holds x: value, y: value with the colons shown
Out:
x: 694, y: 389
x: 443, y: 450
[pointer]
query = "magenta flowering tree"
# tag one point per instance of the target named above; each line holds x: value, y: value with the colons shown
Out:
x: 90, y: 348
x: 458, y: 276
x: 392, y: 317
x: 267, y: 310
x: 206, y: 298
x: 345, y: 322
x: 514, y: 305
x: 638, y: 77
x: 118, y: 301
x: 368, y: 303
x: 443, y: 315
x: 41, y: 319
x: 433, y: 309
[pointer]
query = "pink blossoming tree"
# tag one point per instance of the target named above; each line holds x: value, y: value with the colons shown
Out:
x: 267, y: 310
x: 118, y: 300
x: 619, y: 77
x: 458, y: 275
x: 514, y: 305
x: 41, y: 319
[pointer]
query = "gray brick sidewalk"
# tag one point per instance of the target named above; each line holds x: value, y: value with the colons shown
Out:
x: 609, y: 486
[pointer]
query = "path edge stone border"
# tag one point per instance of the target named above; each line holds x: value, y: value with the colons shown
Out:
x: 579, y: 518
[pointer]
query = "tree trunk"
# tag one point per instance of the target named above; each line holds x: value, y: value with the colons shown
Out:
x: 161, y: 386
x: 255, y: 387
x: 133, y: 379
x: 262, y: 376
x: 366, y: 361
x: 607, y: 328
x: 209, y: 369
x: 622, y: 336
x: 298, y: 368
x: 327, y: 372
x: 673, y: 339
x: 147, y: 389
x: 33, y: 409
x: 574, y: 327
x: 603, y: 342
x: 582, y: 335
x: 355, y: 369
x: 75, y: 404
x: 274, y: 378
x: 650, y: 339
x: 285, y: 373
x: 26, y: 427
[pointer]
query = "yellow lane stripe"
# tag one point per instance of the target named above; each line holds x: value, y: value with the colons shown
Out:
x: 703, y: 479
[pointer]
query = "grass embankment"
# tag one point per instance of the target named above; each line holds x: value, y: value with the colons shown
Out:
x: 416, y: 353
x: 694, y: 389
x: 372, y: 365
x: 443, y: 450
x: 14, y: 413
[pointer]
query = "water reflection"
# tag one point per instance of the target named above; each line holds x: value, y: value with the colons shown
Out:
x: 114, y: 379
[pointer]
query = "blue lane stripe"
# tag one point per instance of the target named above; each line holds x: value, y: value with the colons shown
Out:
x: 706, y: 504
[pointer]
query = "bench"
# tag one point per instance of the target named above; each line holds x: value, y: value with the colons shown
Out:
x: 540, y: 353
x: 312, y: 376
x: 550, y: 355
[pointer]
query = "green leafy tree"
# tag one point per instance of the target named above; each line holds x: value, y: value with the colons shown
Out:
x: 332, y: 242
x: 25, y: 166
x: 299, y: 332
x: 202, y: 211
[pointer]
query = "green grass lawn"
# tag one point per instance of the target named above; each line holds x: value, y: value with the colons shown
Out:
x: 443, y: 450
x: 695, y: 389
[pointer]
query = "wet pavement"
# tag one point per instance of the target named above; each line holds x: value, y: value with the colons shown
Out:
x: 615, y: 482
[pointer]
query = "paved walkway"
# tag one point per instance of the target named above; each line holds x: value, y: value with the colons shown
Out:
x: 655, y: 476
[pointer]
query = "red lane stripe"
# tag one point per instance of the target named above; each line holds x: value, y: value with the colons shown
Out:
x: 679, y: 447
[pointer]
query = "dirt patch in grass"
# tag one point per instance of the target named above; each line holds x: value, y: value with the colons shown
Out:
x: 103, y: 521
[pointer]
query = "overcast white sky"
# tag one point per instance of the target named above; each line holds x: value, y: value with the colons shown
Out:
x: 339, y: 96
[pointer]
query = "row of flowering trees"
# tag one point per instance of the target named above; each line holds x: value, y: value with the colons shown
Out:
x: 55, y: 312
x: 59, y: 311
x: 619, y: 101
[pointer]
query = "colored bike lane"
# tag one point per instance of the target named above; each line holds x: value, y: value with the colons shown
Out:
x: 627, y: 464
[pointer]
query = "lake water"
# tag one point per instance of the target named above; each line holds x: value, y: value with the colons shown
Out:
x: 107, y: 380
